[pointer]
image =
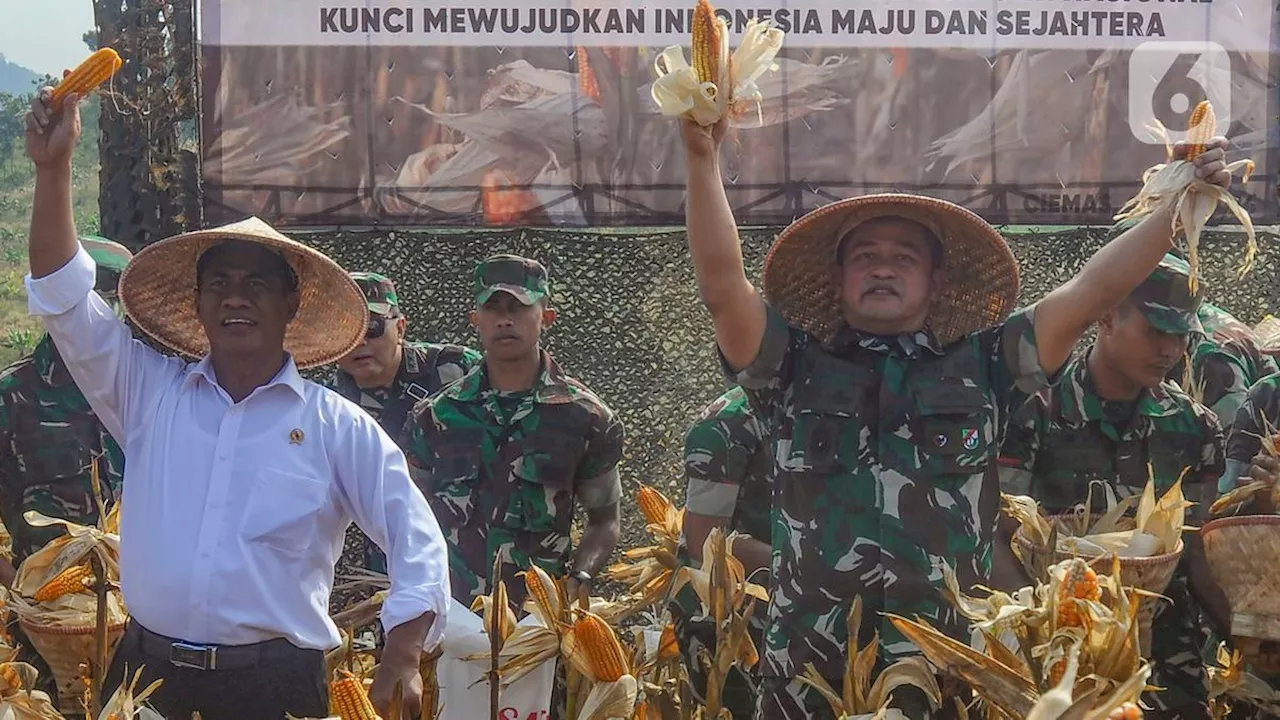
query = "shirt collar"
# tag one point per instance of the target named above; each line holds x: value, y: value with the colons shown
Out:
x: 1083, y: 404
x: 905, y: 345
x: 288, y: 376
x: 551, y: 386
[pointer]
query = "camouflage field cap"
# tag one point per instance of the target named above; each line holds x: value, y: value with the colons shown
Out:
x: 1165, y: 298
x: 379, y: 293
x: 523, y: 278
x: 110, y: 257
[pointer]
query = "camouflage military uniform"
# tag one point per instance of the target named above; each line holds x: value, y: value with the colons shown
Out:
x: 885, y: 462
x: 503, y: 471
x: 1068, y: 439
x: 728, y: 466
x: 1226, y: 361
x: 425, y: 369
x: 1258, y: 417
x: 50, y: 440
x: 1226, y: 358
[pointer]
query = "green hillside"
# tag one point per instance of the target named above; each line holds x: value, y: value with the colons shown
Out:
x: 18, y: 331
x: 15, y: 79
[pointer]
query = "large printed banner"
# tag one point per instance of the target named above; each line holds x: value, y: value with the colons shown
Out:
x: 490, y: 112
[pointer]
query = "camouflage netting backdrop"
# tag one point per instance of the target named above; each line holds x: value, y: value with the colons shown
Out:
x: 632, y: 327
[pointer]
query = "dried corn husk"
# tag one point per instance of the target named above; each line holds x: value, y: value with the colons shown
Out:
x: 1023, y: 641
x: 677, y: 91
x: 127, y: 702
x: 1240, y: 496
x: 18, y: 701
x: 860, y: 697
x: 1156, y: 529
x: 1194, y: 201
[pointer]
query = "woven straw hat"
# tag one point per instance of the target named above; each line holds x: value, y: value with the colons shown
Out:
x: 158, y: 291
x: 982, y: 282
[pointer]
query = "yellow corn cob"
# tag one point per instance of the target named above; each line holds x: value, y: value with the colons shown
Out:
x: 653, y: 504
x: 95, y: 70
x: 543, y: 590
x: 349, y: 699
x: 72, y: 580
x: 706, y: 43
x: 587, y: 83
x: 668, y: 645
x: 1201, y: 128
x: 1081, y: 584
x: 1056, y: 671
x: 11, y: 677
x: 603, y: 651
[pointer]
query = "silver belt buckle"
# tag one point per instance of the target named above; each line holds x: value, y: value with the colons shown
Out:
x: 197, y: 657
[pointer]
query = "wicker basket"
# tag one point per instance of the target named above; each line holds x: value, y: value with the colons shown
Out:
x: 64, y: 648
x: 1243, y: 553
x: 1152, y: 574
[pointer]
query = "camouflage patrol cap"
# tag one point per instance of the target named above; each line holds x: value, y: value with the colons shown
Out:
x: 110, y: 257
x: 523, y: 278
x: 379, y: 293
x: 1165, y: 298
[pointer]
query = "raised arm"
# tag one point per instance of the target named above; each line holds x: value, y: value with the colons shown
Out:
x: 1114, y: 271
x: 736, y: 308
x: 51, y: 138
x: 117, y: 374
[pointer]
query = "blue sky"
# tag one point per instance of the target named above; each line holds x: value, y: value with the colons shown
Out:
x: 44, y: 35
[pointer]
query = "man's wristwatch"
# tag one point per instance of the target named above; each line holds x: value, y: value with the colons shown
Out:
x: 581, y: 576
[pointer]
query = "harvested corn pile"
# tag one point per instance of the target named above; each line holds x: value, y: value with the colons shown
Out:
x: 1155, y: 530
x: 1038, y: 660
x: 717, y: 83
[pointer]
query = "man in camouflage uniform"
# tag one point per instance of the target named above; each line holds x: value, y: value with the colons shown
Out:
x: 505, y: 454
x: 727, y: 465
x: 50, y: 439
x: 1226, y: 358
x: 387, y: 374
x: 883, y: 357
x: 1110, y: 415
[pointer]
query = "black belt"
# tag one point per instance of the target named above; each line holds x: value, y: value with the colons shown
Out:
x: 215, y: 657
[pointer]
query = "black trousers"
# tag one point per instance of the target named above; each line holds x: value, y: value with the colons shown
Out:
x: 285, y: 679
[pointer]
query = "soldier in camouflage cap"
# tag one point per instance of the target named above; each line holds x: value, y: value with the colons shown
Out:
x: 506, y: 454
x: 886, y: 357
x: 387, y: 374
x: 1225, y: 356
x: 728, y: 463
x: 50, y: 439
x: 1112, y: 422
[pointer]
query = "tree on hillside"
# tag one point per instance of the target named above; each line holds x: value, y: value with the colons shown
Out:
x: 12, y: 109
x: 90, y: 38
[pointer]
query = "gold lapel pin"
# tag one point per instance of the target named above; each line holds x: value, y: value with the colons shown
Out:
x: 295, y: 436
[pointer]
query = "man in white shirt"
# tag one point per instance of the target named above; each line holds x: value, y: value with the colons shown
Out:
x: 241, y: 476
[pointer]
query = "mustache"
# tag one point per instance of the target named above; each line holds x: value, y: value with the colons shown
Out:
x: 880, y: 286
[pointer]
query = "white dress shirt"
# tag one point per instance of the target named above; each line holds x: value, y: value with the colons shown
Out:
x: 233, y: 514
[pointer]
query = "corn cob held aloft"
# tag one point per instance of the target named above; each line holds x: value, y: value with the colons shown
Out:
x: 349, y: 699
x: 706, y: 43
x: 602, y: 651
x: 95, y: 70
x: 1201, y: 128
x: 72, y: 580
